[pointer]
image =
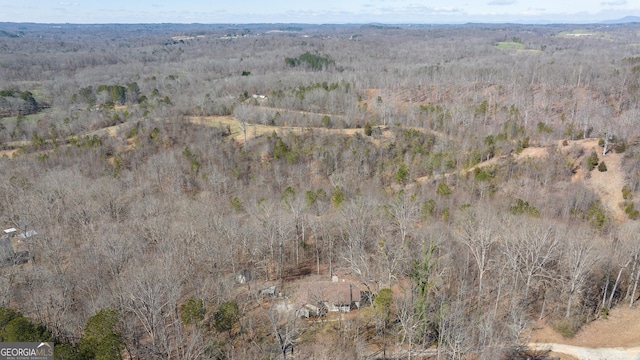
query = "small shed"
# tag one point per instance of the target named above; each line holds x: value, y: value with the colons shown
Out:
x: 10, y: 232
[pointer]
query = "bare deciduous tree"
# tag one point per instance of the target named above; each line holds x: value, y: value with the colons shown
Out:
x: 242, y: 112
x: 531, y: 250
x: 579, y: 257
x: 479, y: 234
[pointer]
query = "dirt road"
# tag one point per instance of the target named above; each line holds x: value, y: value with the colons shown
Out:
x: 585, y: 353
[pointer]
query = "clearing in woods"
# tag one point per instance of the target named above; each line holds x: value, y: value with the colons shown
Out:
x: 608, y: 185
x: 616, y: 337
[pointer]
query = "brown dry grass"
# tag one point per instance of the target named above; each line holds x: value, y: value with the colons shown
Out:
x: 257, y: 130
x: 620, y: 329
x: 608, y: 185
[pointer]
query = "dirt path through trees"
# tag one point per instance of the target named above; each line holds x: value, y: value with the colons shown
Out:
x: 255, y: 130
x: 9, y: 152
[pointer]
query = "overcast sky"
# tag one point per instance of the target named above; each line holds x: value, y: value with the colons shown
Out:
x: 314, y: 11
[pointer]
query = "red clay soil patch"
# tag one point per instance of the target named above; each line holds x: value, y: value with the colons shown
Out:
x: 532, y: 152
x: 9, y: 152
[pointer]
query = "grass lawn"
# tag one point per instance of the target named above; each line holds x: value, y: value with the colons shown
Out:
x: 584, y: 33
x: 31, y: 117
x: 510, y: 45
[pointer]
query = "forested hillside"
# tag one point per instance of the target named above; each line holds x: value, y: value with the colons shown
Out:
x: 184, y: 191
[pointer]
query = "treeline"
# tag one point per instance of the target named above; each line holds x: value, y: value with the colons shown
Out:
x: 14, y: 102
x: 101, y: 338
x: 312, y: 61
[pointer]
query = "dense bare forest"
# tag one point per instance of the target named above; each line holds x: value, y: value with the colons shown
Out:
x: 214, y: 192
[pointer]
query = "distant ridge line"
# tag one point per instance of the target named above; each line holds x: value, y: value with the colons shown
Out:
x: 624, y: 20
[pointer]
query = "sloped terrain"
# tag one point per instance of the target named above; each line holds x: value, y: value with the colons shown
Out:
x: 608, y: 184
x: 619, y: 332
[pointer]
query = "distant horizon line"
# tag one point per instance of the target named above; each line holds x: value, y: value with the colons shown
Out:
x: 631, y: 19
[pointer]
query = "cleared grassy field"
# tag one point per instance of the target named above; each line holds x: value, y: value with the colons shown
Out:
x: 584, y: 33
x: 510, y: 45
x: 32, y: 117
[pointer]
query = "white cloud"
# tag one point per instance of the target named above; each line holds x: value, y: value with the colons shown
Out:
x: 534, y: 11
x: 64, y: 3
x: 424, y: 10
x: 614, y: 3
x: 448, y: 10
x: 502, y: 2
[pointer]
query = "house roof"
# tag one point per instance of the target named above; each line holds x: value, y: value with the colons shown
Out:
x: 336, y: 293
